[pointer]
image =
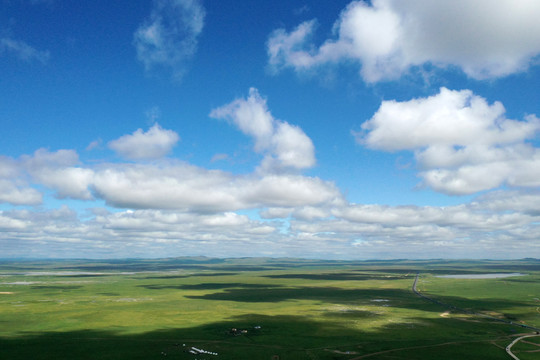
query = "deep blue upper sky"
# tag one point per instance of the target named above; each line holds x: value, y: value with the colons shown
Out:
x: 334, y: 129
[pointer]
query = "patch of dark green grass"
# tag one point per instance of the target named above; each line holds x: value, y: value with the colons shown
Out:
x: 282, y: 336
x: 289, y: 337
x: 332, y: 295
x: 56, y: 287
x: 208, y: 286
x: 350, y: 314
x: 212, y: 274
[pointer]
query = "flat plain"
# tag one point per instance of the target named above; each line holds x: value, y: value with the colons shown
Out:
x: 203, y: 308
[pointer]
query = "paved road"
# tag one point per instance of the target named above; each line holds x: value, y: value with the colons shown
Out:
x: 509, y: 347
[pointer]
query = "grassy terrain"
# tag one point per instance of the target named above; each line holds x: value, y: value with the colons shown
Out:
x: 289, y: 309
x: 516, y: 298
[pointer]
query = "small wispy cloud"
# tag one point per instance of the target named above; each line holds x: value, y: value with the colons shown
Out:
x: 219, y: 157
x: 301, y: 10
x: 153, y: 114
x: 23, y: 51
x: 94, y: 144
x: 168, y: 38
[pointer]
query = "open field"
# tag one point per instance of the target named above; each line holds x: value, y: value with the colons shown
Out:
x: 279, y: 308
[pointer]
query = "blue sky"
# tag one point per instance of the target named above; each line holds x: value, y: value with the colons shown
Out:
x: 336, y: 129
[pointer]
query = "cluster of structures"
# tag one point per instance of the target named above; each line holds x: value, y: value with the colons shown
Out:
x: 196, y: 351
x: 238, y: 332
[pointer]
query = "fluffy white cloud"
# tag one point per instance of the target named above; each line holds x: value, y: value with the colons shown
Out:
x: 312, y: 212
x: 165, y: 184
x: 59, y: 171
x: 44, y: 158
x: 292, y: 147
x: 161, y: 185
x: 186, y: 187
x: 14, y: 189
x: 184, y: 225
x: 22, y: 50
x: 462, y: 143
x: 389, y: 37
x: 510, y: 201
x: 152, y: 144
x: 285, y: 146
x: 286, y: 49
x: 449, y: 118
x: 275, y: 213
x: 17, y: 195
x: 70, y: 182
x: 169, y: 37
x: 169, y: 186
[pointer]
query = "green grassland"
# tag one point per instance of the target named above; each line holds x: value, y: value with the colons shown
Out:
x: 280, y: 308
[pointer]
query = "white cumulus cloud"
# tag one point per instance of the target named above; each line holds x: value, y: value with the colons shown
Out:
x: 13, y: 194
x: 189, y: 188
x: 285, y: 146
x: 14, y: 189
x: 152, y: 144
x: 59, y: 170
x: 485, y: 39
x: 161, y: 184
x: 462, y: 144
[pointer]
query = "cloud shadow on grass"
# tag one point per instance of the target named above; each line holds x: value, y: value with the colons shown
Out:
x: 208, y: 286
x: 56, y: 287
x: 336, y: 276
x: 289, y: 337
x: 333, y: 295
x: 212, y: 274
